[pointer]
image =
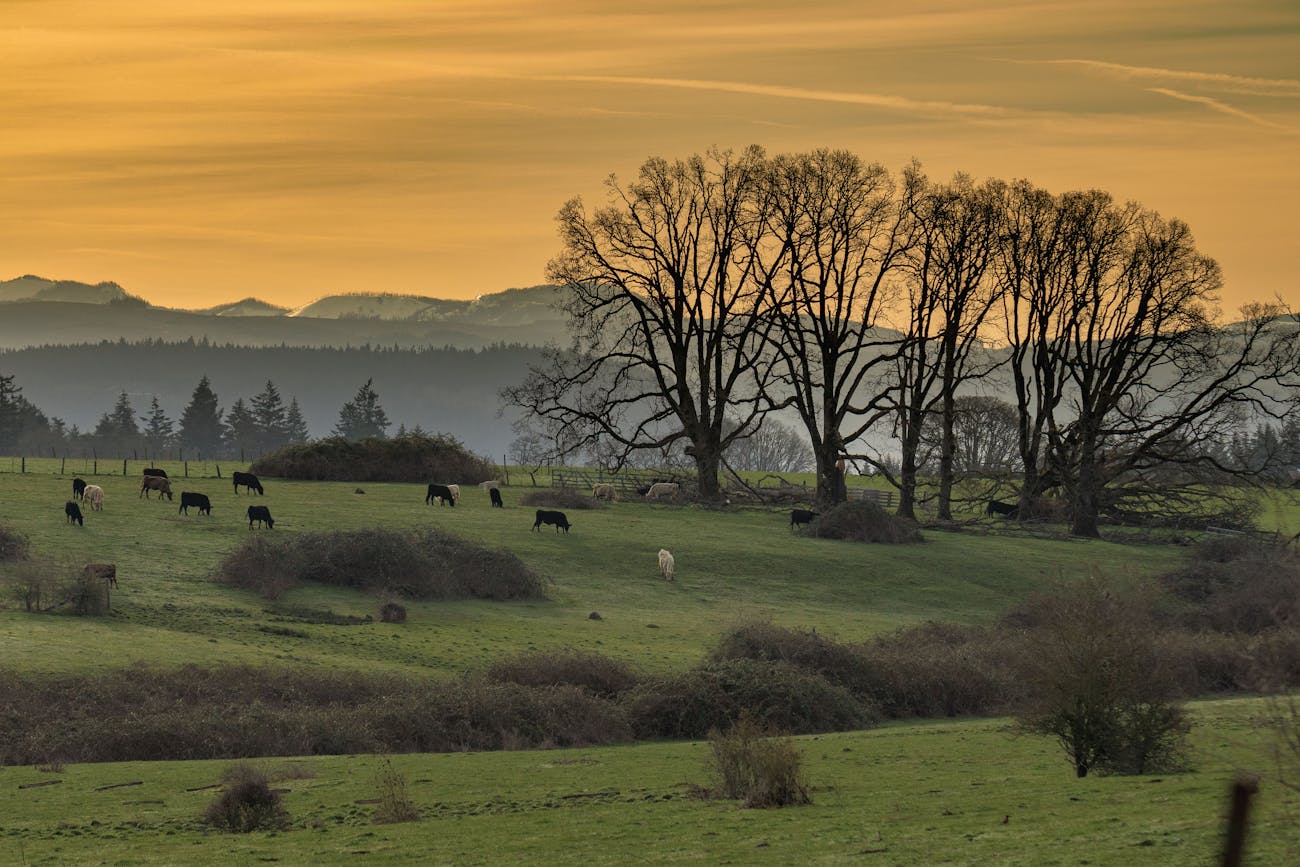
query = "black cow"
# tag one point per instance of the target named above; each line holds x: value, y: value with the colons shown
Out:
x: 73, y: 511
x: 440, y: 493
x: 262, y: 515
x: 154, y: 471
x: 801, y: 516
x: 249, y: 481
x: 200, y: 501
x: 1006, y: 510
x: 547, y: 516
x: 78, y: 488
x: 495, y: 495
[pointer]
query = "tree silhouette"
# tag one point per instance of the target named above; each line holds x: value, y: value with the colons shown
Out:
x: 296, y: 430
x: 158, y: 429
x: 362, y: 416
x: 201, y: 427
x: 242, y: 432
x: 271, y: 418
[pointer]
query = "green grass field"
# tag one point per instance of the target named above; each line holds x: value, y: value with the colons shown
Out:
x: 731, y: 565
x: 969, y: 792
x: 901, y: 794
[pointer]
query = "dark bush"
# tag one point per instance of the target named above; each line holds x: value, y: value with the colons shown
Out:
x: 13, y: 545
x: 713, y: 696
x: 598, y: 674
x: 803, y: 648
x: 561, y: 498
x: 762, y: 768
x: 392, y: 612
x: 429, y: 564
x: 407, y: 458
x: 1236, y: 584
x: 246, y: 803
x: 84, y: 594
x: 862, y: 521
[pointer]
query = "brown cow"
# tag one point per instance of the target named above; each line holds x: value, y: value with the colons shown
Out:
x: 155, y: 483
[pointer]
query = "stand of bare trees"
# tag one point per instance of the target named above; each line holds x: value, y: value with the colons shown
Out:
x: 718, y: 289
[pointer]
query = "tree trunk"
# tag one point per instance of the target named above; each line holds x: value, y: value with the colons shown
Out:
x: 1086, y: 495
x: 708, y: 464
x: 830, y: 479
x: 907, y: 479
x: 946, y: 449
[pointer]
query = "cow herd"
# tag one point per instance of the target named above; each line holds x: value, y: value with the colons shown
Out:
x: 153, y: 479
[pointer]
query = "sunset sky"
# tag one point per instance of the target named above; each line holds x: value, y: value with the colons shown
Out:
x: 200, y: 152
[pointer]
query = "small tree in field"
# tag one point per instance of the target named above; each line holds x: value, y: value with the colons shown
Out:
x: 1097, y: 683
x: 363, y: 416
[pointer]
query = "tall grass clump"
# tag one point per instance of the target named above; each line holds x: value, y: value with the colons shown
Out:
x: 429, y: 564
x: 246, y: 803
x: 395, y: 804
x: 408, y: 458
x: 761, y: 768
x: 862, y: 521
x: 13, y: 545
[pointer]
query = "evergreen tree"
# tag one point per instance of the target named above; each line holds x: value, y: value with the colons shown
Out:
x: 272, y: 423
x: 158, y: 428
x: 362, y: 416
x: 10, y: 395
x: 295, y: 424
x: 116, y: 430
x: 201, y: 428
x: 241, y: 429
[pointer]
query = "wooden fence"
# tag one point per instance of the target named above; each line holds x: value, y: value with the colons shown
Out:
x: 627, y: 482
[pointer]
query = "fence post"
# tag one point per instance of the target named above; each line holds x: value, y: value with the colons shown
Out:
x: 218, y: 471
x: 24, y: 463
x: 187, y: 469
x: 124, y: 468
x: 63, y: 463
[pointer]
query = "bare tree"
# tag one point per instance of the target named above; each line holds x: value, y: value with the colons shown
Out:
x: 665, y: 301
x: 773, y: 448
x: 844, y: 227
x: 949, y: 294
x: 984, y: 437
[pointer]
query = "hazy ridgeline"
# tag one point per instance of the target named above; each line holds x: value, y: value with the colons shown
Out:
x: 445, y: 390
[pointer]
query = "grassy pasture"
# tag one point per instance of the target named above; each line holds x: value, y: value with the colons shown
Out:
x: 731, y: 564
x: 967, y: 792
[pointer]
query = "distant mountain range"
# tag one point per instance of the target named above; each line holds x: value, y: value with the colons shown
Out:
x: 35, y: 311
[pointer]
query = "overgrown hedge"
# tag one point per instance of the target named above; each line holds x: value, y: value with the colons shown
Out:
x: 428, y: 564
x: 408, y: 458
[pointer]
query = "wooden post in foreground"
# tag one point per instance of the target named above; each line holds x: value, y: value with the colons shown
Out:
x: 1235, y: 846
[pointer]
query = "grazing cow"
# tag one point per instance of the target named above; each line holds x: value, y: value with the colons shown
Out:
x: 666, y: 564
x: 455, y: 493
x: 78, y: 489
x: 604, y: 491
x: 249, y: 481
x: 441, y: 493
x: 547, y: 516
x: 94, y: 495
x: 1005, y: 510
x: 801, y: 516
x: 155, y: 483
x: 662, y: 491
x: 154, y: 471
x: 199, y: 501
x: 106, y: 572
x: 262, y: 515
x: 73, y: 511
x: 495, y: 495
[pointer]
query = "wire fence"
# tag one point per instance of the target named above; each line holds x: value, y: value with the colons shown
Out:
x: 99, y: 465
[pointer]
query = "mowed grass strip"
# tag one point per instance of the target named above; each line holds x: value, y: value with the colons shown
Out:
x: 731, y: 564
x: 967, y: 792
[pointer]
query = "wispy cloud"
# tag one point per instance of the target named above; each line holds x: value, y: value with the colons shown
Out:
x: 1217, y: 105
x: 1216, y: 80
x: 877, y: 100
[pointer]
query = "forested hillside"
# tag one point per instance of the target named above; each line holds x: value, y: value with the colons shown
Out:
x: 447, y: 390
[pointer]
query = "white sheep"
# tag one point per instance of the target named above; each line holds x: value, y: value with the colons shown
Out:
x: 666, y: 564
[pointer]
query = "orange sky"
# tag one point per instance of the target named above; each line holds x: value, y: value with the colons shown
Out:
x: 199, y: 152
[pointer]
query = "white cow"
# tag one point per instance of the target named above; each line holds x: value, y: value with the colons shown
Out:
x: 666, y: 564
x: 94, y: 495
x: 455, y: 492
x: 604, y: 491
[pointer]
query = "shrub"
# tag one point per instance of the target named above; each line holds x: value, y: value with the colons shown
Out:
x: 246, y: 803
x: 597, y: 674
x: 763, y: 769
x: 862, y: 521
x: 395, y: 804
x: 1097, y: 682
x: 13, y: 545
x: 713, y: 696
x: 408, y: 458
x: 392, y: 612
x: 84, y: 594
x: 429, y: 564
x: 561, y: 498
x: 32, y: 585
x: 804, y: 648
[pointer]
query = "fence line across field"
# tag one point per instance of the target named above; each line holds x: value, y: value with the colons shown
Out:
x: 89, y: 466
x: 628, y: 482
